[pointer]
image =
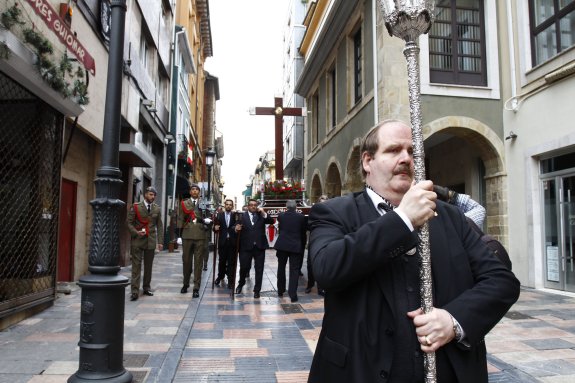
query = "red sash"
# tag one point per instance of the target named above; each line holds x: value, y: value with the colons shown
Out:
x: 190, y: 214
x: 143, y: 223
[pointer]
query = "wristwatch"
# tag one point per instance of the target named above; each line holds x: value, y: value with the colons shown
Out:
x: 457, y: 330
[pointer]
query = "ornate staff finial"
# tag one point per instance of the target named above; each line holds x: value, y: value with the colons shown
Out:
x: 407, y: 19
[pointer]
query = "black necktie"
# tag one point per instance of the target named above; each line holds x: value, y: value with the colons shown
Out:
x: 385, y: 207
x: 149, y: 208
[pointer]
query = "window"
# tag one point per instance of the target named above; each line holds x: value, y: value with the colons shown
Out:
x: 357, y: 67
x: 331, y: 99
x: 457, y: 43
x: 314, y: 120
x: 144, y: 52
x: 552, y: 28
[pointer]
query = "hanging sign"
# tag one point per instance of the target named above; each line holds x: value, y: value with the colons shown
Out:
x: 45, y: 10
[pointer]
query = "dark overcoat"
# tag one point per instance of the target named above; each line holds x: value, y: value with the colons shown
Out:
x: 351, y: 246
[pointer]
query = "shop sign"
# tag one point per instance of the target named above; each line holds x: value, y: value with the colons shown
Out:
x: 65, y: 35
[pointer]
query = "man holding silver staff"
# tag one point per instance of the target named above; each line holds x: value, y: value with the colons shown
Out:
x: 364, y: 252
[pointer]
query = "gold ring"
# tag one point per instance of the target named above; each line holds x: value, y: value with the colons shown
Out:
x: 427, y: 341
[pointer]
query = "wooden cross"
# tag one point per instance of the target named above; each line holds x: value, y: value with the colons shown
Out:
x: 279, y: 111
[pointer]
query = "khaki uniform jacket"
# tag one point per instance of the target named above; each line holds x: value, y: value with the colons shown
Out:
x: 191, y: 230
x: 152, y: 223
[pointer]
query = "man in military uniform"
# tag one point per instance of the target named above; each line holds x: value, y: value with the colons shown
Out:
x: 193, y: 233
x: 147, y: 231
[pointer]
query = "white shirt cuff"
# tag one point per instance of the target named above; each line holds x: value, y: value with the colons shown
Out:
x: 403, y: 216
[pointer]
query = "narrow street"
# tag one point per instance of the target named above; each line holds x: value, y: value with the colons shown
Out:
x: 171, y: 337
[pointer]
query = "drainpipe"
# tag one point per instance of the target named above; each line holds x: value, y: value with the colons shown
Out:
x: 512, y: 70
x: 375, y: 73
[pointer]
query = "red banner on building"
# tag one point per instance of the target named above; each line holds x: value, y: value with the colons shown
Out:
x: 44, y: 9
x: 190, y: 154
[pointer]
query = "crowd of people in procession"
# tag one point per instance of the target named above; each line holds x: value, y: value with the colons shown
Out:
x: 363, y: 249
x: 241, y: 238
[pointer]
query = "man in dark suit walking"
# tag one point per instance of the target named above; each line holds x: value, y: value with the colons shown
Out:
x: 290, y: 245
x: 147, y: 232
x: 253, y: 244
x: 363, y: 249
x: 224, y: 227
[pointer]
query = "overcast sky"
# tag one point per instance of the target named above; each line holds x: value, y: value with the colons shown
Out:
x: 247, y: 41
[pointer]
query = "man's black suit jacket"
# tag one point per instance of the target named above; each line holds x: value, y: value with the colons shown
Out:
x: 226, y: 230
x: 254, y: 234
x: 292, y: 232
x: 351, y: 246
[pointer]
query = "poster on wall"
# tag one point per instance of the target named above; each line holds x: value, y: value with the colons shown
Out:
x: 552, y: 263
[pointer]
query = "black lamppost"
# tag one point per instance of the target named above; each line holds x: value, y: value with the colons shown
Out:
x: 103, y: 291
x: 221, y: 196
x: 210, y: 155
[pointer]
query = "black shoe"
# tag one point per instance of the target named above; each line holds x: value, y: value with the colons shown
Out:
x: 256, y: 294
x: 308, y: 290
x: 148, y: 293
x: 239, y: 289
x: 205, y: 268
x: 184, y: 290
x: 280, y: 295
x: 321, y: 292
x: 293, y: 300
x: 195, y: 294
x: 134, y: 297
x: 217, y: 281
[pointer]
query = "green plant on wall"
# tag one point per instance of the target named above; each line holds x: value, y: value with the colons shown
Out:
x: 4, y: 51
x: 59, y: 76
x: 80, y: 91
x: 39, y: 42
x: 11, y: 17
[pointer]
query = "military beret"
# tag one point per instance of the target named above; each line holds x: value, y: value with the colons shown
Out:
x: 151, y: 189
x: 194, y: 185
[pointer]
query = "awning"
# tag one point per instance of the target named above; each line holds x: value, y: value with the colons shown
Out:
x: 135, y: 157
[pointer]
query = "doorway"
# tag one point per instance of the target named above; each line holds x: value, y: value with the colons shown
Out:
x: 67, y: 231
x: 559, y: 232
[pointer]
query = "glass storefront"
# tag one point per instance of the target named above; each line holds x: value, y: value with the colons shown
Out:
x: 558, y: 192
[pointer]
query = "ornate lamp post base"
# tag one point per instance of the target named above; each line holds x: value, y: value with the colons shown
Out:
x: 102, y: 329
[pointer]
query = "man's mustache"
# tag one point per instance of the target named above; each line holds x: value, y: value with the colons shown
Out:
x: 401, y: 169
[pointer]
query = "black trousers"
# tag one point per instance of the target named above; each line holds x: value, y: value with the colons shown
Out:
x: 246, y: 257
x: 295, y: 262
x: 226, y: 254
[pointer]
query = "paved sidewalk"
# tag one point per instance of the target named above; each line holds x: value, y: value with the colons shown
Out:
x: 171, y: 337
